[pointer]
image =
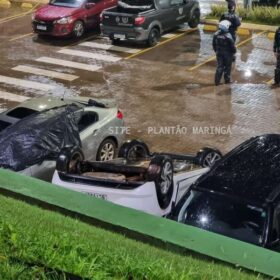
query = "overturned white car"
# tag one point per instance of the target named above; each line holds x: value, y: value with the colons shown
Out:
x: 152, y: 183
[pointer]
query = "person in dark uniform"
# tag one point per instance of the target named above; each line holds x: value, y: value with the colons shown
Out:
x: 231, y: 16
x: 224, y: 47
x: 276, y: 50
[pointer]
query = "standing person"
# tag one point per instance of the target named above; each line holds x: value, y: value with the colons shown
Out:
x: 276, y: 50
x: 233, y: 18
x: 225, y: 49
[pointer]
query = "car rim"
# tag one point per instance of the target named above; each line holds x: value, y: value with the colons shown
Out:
x: 79, y: 29
x: 211, y: 158
x: 107, y: 152
x: 166, y: 177
x: 154, y: 39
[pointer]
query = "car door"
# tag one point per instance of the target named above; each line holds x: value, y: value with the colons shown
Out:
x: 93, y: 10
x: 166, y: 15
x: 179, y: 11
x: 88, y: 128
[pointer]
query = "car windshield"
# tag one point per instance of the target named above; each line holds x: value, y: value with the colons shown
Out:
x: 136, y: 4
x: 67, y: 3
x: 222, y: 215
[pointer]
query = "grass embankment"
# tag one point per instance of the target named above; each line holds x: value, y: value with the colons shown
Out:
x: 259, y: 15
x: 39, y: 244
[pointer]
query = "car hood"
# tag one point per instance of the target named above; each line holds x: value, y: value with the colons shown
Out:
x: 50, y: 12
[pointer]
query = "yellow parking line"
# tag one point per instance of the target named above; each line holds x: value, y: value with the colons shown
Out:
x: 21, y: 36
x: 7, y: 19
x: 270, y: 82
x: 214, y: 56
x: 160, y: 44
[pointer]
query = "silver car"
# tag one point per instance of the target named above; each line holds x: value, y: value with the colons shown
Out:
x: 97, y: 124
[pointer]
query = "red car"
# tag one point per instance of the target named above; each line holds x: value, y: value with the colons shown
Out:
x: 69, y: 17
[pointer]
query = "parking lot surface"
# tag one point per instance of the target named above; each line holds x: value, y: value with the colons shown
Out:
x: 167, y: 92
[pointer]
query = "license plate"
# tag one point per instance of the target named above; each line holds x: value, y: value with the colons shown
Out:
x: 41, y: 27
x: 98, y: 195
x: 119, y: 36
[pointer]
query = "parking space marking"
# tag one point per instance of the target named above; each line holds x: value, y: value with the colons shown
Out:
x: 270, y: 82
x: 25, y: 83
x: 162, y: 43
x: 43, y: 72
x: 212, y: 58
x: 13, y: 97
x: 21, y: 36
x: 67, y: 63
x: 97, y: 56
x: 168, y: 35
x: 108, y: 47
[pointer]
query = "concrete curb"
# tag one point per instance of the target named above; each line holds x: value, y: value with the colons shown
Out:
x: 132, y: 222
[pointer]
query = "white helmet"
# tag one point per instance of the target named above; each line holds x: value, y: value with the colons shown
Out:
x: 224, y: 25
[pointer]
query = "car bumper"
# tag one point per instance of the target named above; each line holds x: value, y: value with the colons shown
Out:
x: 143, y: 198
x: 53, y: 29
x: 135, y: 33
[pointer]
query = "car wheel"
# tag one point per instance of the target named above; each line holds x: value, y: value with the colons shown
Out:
x: 134, y: 150
x: 195, y: 19
x: 115, y: 41
x: 154, y: 37
x: 160, y: 171
x: 207, y: 157
x: 107, y: 150
x: 78, y: 29
x: 68, y: 159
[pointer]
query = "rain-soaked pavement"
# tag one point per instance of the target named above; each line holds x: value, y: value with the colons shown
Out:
x: 166, y: 93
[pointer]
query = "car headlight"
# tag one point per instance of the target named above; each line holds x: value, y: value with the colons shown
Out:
x: 64, y: 20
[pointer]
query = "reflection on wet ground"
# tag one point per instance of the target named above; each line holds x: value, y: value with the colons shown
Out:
x: 157, y: 88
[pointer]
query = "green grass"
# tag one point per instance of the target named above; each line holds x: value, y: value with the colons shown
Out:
x: 259, y: 15
x: 39, y: 244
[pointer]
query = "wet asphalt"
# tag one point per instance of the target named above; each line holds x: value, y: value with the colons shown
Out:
x: 166, y: 93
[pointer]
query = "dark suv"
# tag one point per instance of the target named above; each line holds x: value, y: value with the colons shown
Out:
x: 240, y: 196
x: 146, y: 20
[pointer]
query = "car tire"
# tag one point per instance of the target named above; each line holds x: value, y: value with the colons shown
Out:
x: 68, y: 159
x: 115, y: 41
x: 160, y: 171
x: 134, y: 150
x: 195, y: 19
x: 154, y: 37
x: 207, y: 157
x: 78, y: 29
x: 107, y: 150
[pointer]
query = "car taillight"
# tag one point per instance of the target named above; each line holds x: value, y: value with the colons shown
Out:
x: 139, y: 20
x: 120, y: 115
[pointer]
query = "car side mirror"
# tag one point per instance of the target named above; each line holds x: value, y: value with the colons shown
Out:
x: 90, y: 5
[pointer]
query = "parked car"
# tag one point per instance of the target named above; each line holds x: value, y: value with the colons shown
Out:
x: 240, y: 196
x: 33, y: 133
x: 69, y: 17
x: 146, y: 20
x: 138, y: 179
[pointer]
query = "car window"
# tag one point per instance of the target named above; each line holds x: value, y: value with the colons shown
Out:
x: 164, y: 4
x: 223, y: 215
x: 176, y: 2
x: 86, y: 120
x: 67, y: 3
x: 4, y: 125
x: 21, y: 112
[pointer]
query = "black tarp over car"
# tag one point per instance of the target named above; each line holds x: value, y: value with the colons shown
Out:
x: 39, y: 137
